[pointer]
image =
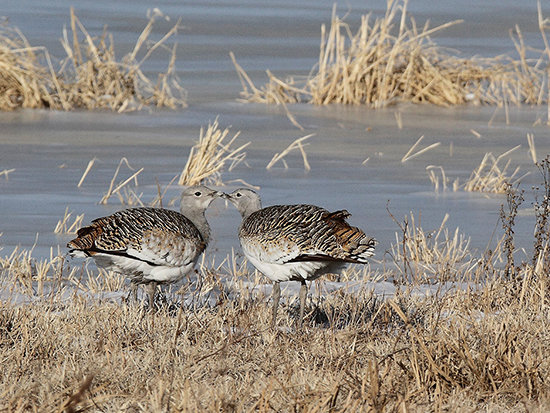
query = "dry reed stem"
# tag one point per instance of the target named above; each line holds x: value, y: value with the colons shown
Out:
x: 115, y: 190
x: 409, y: 155
x: 89, y: 78
x: 157, y: 202
x: 297, y: 144
x: 86, y: 171
x: 399, y: 120
x: 475, y: 133
x: 209, y: 155
x: 489, y: 177
x: 63, y: 226
x: 434, y: 178
x: 532, y: 148
x: 390, y: 59
x: 6, y: 173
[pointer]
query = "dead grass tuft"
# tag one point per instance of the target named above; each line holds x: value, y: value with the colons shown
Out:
x: 64, y: 225
x: 391, y: 59
x: 210, y: 154
x: 428, y: 257
x: 489, y: 176
x: 90, y: 77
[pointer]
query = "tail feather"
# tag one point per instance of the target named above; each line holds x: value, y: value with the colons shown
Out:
x: 362, y: 249
x: 356, y: 245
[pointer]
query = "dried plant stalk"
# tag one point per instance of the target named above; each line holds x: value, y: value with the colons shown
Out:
x: 209, y: 155
x: 410, y: 155
x: 63, y: 226
x: 389, y: 60
x: 490, y: 177
x: 5, y: 173
x: 89, y: 78
x: 114, y: 190
x: 297, y: 144
x: 86, y: 171
x: 532, y: 148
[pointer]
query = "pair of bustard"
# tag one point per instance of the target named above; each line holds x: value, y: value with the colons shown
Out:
x: 153, y: 246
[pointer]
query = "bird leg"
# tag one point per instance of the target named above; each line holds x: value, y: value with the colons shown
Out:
x: 132, y: 295
x: 276, y: 294
x: 303, y: 296
x: 151, y: 289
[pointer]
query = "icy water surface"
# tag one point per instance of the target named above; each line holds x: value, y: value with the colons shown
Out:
x: 50, y: 150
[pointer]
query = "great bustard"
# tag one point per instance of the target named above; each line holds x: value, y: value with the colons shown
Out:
x: 149, y: 245
x: 297, y: 242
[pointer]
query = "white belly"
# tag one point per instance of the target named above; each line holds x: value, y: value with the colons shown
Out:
x: 295, y: 271
x: 141, y: 272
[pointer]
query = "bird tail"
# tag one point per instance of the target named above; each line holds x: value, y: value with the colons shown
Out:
x: 356, y: 245
x: 360, y: 247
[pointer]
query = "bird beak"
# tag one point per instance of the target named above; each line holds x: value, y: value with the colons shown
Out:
x: 225, y: 197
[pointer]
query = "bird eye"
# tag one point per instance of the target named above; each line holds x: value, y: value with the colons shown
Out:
x: 238, y: 194
x: 198, y: 193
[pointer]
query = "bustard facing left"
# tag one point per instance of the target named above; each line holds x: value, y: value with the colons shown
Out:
x: 297, y: 242
x: 150, y: 246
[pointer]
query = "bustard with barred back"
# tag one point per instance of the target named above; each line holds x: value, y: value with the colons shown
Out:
x: 297, y: 242
x: 150, y: 246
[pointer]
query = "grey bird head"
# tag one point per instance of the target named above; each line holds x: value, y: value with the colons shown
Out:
x: 245, y: 200
x: 197, y: 198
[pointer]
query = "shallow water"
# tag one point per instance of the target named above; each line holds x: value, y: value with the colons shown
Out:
x: 50, y: 150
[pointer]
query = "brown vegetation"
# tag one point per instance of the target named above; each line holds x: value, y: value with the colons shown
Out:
x: 90, y: 77
x: 479, y: 341
x: 489, y: 176
x: 209, y: 155
x: 391, y: 59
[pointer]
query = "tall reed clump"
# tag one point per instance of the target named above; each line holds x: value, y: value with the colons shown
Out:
x: 209, y: 155
x: 90, y: 77
x: 391, y: 59
x: 24, y: 81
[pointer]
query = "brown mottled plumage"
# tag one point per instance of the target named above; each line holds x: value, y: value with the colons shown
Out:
x: 297, y: 242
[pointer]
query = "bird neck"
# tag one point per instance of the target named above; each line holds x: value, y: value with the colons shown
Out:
x: 199, y: 220
x: 248, y: 208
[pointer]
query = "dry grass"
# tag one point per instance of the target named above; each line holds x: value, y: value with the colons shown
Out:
x: 410, y: 155
x: 129, y: 197
x: 459, y: 331
x: 6, y: 172
x: 430, y: 257
x: 391, y: 59
x: 90, y: 77
x: 296, y: 144
x: 209, y: 156
x: 479, y: 348
x: 207, y: 159
x: 489, y: 176
x: 64, y: 225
